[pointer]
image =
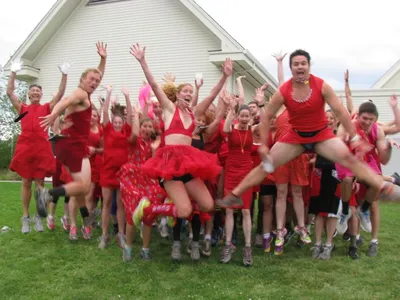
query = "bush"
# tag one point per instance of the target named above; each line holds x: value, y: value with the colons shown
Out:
x: 6, y: 174
x: 7, y: 149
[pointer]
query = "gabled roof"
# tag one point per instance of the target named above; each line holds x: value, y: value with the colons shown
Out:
x: 62, y: 9
x: 387, y: 76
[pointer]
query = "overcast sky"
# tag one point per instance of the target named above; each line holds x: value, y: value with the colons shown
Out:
x: 360, y: 35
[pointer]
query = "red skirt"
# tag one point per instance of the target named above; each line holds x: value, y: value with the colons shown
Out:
x: 294, y: 138
x: 177, y: 160
x: 33, y: 157
x: 71, y: 153
x: 96, y: 162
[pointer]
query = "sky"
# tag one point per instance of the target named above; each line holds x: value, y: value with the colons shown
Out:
x: 359, y: 35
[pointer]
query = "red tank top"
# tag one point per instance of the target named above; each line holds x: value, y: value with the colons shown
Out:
x: 282, y: 125
x: 177, y: 127
x: 309, y: 115
x: 94, y: 138
x: 30, y: 124
x: 80, y: 128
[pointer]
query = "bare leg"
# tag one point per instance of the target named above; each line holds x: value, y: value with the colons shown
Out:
x: 298, y: 204
x: 106, y: 212
x: 330, y: 229
x: 319, y: 229
x: 26, y: 194
x: 89, y: 198
x: 280, y: 206
x: 177, y: 192
x: 267, y: 214
x: 246, y: 223
x: 197, y: 190
x: 228, y: 226
x: 120, y: 213
x: 146, y: 236
x: 130, y: 234
x: 81, y: 184
x: 375, y: 219
x: 73, y: 210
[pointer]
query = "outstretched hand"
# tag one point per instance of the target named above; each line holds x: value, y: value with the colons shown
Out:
x: 393, y: 101
x: 227, y: 67
x: 64, y: 67
x: 125, y: 91
x: 225, y: 98
x: 169, y: 78
x: 16, y: 65
x: 102, y: 49
x: 47, y: 122
x: 259, y: 97
x: 138, y: 53
x: 279, y: 56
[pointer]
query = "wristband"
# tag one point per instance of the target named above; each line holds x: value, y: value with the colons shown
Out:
x: 262, y: 105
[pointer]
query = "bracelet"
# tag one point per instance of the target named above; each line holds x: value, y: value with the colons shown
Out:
x: 262, y: 105
x: 355, y: 138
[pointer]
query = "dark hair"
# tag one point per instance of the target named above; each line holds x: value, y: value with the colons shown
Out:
x: 368, y: 107
x: 36, y: 85
x: 144, y: 120
x: 299, y: 52
x: 252, y: 102
x: 242, y: 107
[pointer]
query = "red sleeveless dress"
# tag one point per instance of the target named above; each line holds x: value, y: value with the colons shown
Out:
x: 96, y: 160
x: 115, y: 154
x: 308, y: 116
x: 178, y: 160
x: 73, y: 149
x: 224, y: 148
x: 33, y: 157
x: 134, y: 183
x: 239, y: 163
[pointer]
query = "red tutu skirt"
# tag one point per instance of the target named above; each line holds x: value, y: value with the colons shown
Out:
x: 177, y: 160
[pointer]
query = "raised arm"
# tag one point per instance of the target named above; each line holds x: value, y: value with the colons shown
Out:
x: 102, y: 51
x: 240, y: 89
x: 135, y: 126
x: 199, y: 83
x: 106, y: 106
x: 279, y: 59
x: 64, y: 67
x: 15, y: 67
x: 139, y: 54
x: 393, y: 127
x: 129, y: 109
x: 349, y: 100
x: 384, y: 147
x: 230, y: 117
x: 227, y: 70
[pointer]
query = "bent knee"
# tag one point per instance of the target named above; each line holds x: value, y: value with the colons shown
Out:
x: 184, y: 211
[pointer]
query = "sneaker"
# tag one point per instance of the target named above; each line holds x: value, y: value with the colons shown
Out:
x: 278, y: 250
x: 359, y: 242
x: 73, y: 233
x: 139, y: 211
x: 42, y: 197
x: 93, y: 216
x: 353, y: 253
x: 176, y: 251
x: 163, y: 229
x: 189, y: 246
x: 267, y: 244
x: 303, y: 233
x: 365, y: 222
x: 206, y: 249
x: 346, y: 236
x: 247, y: 256
x: 216, y: 236
x: 120, y: 238
x: 195, y: 253
x: 50, y: 222
x: 396, y: 178
x: 316, y: 251
x: 280, y: 237
x: 373, y: 249
x: 341, y: 225
x: 326, y: 253
x: 38, y: 225
x: 25, y: 225
x: 145, y: 254
x: 104, y: 240
x: 86, y: 232
x: 229, y: 201
x: 127, y: 254
x: 258, y: 241
x: 65, y: 223
x: 226, y: 253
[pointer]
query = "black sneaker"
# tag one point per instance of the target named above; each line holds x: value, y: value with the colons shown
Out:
x: 359, y: 242
x: 396, y: 178
x: 353, y: 253
x: 346, y: 236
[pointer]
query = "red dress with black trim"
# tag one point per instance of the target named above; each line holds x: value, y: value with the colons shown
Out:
x: 178, y: 160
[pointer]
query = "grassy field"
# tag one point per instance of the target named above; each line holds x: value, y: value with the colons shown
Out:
x: 48, y: 266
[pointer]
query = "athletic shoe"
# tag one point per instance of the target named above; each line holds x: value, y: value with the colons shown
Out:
x: 346, y: 236
x: 50, y: 222
x: 145, y: 254
x: 38, y: 225
x: 42, y: 197
x: 353, y: 253
x: 303, y: 233
x: 86, y: 232
x: 258, y: 240
x: 316, y: 251
x: 139, y: 211
x: 267, y: 244
x: 365, y: 222
x: 189, y: 246
x: 247, y: 256
x: 163, y: 229
x: 73, y: 235
x: 127, y: 254
x: 341, y: 225
x: 278, y: 250
x: 229, y: 201
x: 280, y: 237
x: 65, y: 223
x: 326, y: 253
x: 373, y: 249
x: 216, y: 236
x: 104, y: 240
x: 396, y: 178
x: 25, y: 225
x: 120, y: 238
x: 195, y: 251
x: 226, y: 253
x: 176, y: 251
x: 206, y: 249
x: 359, y: 242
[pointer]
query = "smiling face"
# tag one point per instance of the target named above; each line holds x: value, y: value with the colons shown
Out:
x: 365, y: 120
x: 90, y: 80
x: 95, y: 117
x: 184, y: 95
x: 300, y: 68
x: 146, y: 129
x: 157, y: 109
x: 117, y: 123
x: 200, y: 121
x: 244, y: 117
x: 35, y: 94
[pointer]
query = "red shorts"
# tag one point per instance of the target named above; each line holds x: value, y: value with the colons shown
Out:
x: 56, y: 179
x: 71, y: 153
x: 295, y: 172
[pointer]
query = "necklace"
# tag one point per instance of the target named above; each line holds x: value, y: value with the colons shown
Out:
x: 242, y: 143
x: 303, y: 98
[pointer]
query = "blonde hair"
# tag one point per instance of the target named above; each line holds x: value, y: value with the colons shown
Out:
x: 170, y: 90
x: 94, y: 70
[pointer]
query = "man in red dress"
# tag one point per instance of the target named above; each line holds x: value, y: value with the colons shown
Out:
x: 305, y: 97
x: 33, y: 159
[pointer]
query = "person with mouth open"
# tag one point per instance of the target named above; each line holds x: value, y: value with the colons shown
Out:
x: 180, y: 168
x: 305, y: 96
x: 72, y: 146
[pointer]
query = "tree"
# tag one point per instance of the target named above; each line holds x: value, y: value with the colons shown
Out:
x: 8, y: 129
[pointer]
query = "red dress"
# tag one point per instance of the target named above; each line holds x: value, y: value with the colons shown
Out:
x: 307, y: 116
x: 224, y: 148
x: 33, y: 157
x: 115, y: 154
x: 96, y: 159
x: 171, y: 161
x: 239, y: 162
x: 134, y: 183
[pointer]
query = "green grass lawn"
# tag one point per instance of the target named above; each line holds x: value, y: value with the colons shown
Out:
x: 48, y: 266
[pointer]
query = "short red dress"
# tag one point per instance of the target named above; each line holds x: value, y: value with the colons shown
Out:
x: 115, y: 154
x: 96, y: 160
x: 33, y: 157
x: 239, y: 163
x: 134, y: 183
x: 173, y: 161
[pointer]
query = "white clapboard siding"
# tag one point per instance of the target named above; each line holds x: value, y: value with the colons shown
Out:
x: 176, y: 42
x: 393, y: 83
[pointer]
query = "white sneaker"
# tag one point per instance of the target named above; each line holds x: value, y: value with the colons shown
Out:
x: 341, y: 225
x: 38, y: 225
x: 365, y: 222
